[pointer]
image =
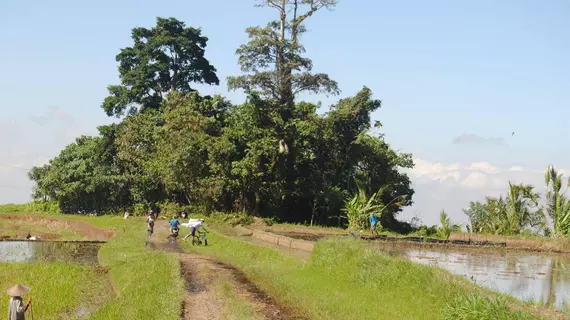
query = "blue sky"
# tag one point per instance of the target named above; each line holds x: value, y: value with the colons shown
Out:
x: 473, y: 71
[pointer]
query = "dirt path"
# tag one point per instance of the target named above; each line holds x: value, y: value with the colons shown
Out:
x: 215, y: 290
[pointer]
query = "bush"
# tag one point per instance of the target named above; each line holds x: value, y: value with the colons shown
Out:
x: 169, y: 209
x: 269, y: 221
x: 197, y: 210
x: 139, y: 209
x: 232, y: 219
x: 34, y: 206
x: 475, y: 307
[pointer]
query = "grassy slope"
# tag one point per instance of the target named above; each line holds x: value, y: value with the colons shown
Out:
x: 14, y: 228
x: 147, y: 283
x: 345, y: 280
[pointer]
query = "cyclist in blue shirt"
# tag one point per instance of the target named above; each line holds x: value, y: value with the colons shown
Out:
x: 373, y: 222
x: 174, y: 224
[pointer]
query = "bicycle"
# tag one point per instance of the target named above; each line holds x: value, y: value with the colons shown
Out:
x: 200, y: 238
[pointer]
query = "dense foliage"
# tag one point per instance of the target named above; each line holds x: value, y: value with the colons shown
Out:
x: 522, y: 210
x: 271, y: 156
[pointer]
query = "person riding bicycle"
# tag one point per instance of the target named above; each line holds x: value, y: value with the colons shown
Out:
x: 150, y: 224
x: 174, y: 224
x: 195, y: 225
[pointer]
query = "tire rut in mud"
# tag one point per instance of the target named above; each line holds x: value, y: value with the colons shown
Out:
x: 197, y: 283
x: 200, y: 272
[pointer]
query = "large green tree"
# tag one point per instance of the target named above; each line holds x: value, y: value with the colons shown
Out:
x: 270, y: 156
x: 167, y: 57
x: 192, y: 156
x: 84, y: 176
x: 273, y: 57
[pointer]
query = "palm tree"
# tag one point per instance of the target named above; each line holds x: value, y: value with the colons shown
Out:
x: 445, y: 228
x: 558, y: 205
x: 522, y: 209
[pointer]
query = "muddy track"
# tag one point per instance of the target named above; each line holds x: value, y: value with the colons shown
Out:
x: 200, y: 274
x: 204, y: 275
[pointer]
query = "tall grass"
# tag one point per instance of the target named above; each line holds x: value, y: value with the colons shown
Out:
x: 473, y: 307
x: 147, y: 283
x: 344, y: 279
x: 34, y: 206
x: 57, y: 288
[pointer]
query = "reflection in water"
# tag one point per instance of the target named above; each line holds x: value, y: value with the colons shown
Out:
x: 27, y: 251
x: 541, y: 278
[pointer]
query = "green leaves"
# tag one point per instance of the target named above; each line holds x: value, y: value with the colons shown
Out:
x: 273, y: 56
x: 268, y: 156
x: 518, y: 212
x: 165, y: 58
x: 445, y: 226
x: 558, y: 204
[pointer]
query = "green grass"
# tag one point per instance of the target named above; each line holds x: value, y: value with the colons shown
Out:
x: 233, y: 306
x: 346, y: 280
x: 34, y: 206
x: 59, y: 290
x: 473, y: 307
x: 147, y: 283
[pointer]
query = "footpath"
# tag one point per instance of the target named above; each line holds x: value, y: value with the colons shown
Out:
x: 215, y: 290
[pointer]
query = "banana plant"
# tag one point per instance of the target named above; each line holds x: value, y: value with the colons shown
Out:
x: 360, y: 206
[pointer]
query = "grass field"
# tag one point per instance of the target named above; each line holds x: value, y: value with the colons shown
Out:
x: 48, y: 231
x: 345, y: 280
x: 59, y: 290
x: 146, y: 284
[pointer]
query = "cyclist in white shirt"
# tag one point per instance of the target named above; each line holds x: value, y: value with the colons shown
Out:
x: 195, y: 225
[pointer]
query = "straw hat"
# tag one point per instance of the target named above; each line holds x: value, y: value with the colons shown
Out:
x: 18, y: 291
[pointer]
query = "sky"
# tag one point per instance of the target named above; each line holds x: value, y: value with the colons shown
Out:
x: 457, y: 79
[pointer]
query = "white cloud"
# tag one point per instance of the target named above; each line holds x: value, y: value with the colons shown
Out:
x: 475, y: 180
x: 483, y: 166
x: 451, y: 186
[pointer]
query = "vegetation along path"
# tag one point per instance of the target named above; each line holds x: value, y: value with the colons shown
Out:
x: 215, y: 290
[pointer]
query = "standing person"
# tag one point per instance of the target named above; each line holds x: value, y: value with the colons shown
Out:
x: 195, y: 225
x: 373, y: 222
x: 17, y: 310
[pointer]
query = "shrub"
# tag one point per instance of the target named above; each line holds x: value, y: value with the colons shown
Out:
x: 34, y: 206
x: 232, y: 219
x: 169, y: 209
x: 475, y: 307
x: 269, y: 221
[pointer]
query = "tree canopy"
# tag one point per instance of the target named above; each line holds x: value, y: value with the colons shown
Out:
x: 270, y: 156
x: 165, y: 58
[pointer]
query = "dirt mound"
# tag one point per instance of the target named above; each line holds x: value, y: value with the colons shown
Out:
x: 85, y: 229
